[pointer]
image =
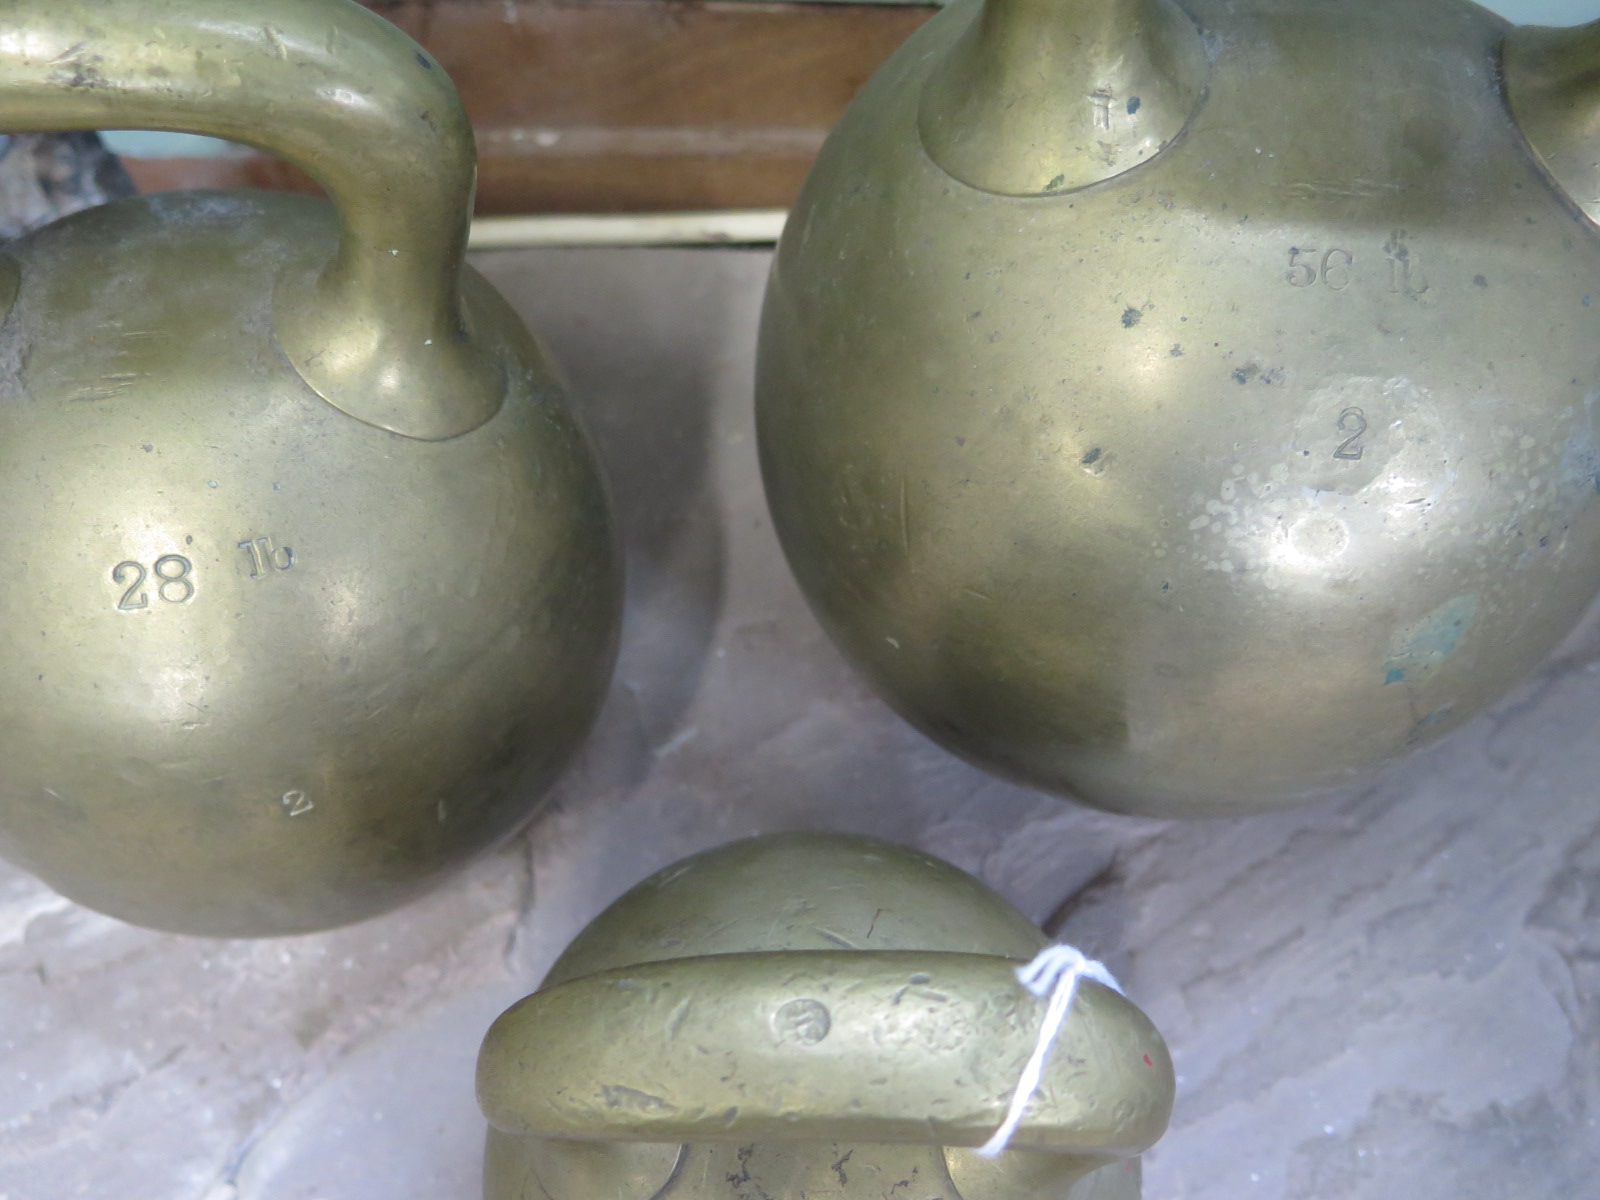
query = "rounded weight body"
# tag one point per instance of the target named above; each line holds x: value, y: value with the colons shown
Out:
x: 1207, y: 484
x: 269, y: 667
x: 310, y: 581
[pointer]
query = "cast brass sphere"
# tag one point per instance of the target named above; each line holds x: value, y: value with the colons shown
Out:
x: 312, y: 581
x: 811, y: 1014
x: 1192, y: 408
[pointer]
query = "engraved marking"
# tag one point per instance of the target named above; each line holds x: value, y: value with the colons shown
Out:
x: 1405, y: 267
x: 1294, y: 276
x: 119, y: 574
x: 617, y: 1096
x: 107, y: 387
x: 295, y: 802
x: 69, y: 54
x: 1366, y: 188
x: 804, y: 1021
x: 1340, y: 261
x: 1100, y: 99
x: 173, y: 571
x: 1306, y: 269
x: 264, y: 559
x: 1353, y: 422
x: 175, y: 584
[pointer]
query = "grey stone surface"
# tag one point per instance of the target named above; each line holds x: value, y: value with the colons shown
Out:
x: 1391, y: 996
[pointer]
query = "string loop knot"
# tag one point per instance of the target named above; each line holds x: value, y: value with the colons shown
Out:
x: 1057, y: 970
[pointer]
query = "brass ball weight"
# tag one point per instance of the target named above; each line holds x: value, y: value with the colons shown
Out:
x: 1192, y: 408
x: 310, y: 583
x: 744, y: 1021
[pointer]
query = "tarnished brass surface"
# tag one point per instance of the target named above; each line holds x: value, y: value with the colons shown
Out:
x: 311, y: 581
x: 803, y: 1014
x: 1223, y: 480
x: 993, y: 112
x: 1550, y: 79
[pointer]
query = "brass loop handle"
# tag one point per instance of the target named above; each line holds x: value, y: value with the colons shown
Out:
x: 378, y: 330
x: 884, y: 1046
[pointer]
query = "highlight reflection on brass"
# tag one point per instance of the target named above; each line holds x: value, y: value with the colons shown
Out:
x: 1119, y: 462
x: 310, y: 580
x: 811, y: 1014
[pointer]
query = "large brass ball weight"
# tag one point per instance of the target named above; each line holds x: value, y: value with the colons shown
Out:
x: 812, y: 1015
x: 1192, y: 407
x: 307, y: 573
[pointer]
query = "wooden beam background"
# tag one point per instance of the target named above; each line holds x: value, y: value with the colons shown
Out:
x: 626, y: 105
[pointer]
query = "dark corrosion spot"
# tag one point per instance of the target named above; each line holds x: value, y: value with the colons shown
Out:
x: 423, y: 59
x: 1133, y: 105
x: 1131, y: 317
x: 1092, y: 456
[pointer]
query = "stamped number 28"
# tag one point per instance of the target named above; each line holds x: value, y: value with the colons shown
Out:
x: 174, y: 582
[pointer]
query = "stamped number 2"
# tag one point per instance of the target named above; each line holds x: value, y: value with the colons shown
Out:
x: 1353, y: 423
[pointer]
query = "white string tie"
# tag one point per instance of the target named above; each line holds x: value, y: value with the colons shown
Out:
x: 1057, y: 970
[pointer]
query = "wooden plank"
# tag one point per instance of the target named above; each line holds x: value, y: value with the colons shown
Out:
x: 627, y: 105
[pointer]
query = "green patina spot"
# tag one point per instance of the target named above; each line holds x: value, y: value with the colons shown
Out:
x: 1430, y: 641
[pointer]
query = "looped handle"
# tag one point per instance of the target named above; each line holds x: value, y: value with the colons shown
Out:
x: 870, y: 1046
x: 378, y: 331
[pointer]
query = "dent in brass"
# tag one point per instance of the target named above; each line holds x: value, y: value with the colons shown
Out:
x: 268, y: 666
x: 1225, y: 480
x: 805, y: 1014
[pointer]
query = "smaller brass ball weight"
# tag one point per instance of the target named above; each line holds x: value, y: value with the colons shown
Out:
x: 811, y: 1014
x: 1190, y: 406
x: 308, y: 577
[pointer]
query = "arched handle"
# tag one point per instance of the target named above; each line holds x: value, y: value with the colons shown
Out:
x: 377, y: 331
x: 871, y: 1046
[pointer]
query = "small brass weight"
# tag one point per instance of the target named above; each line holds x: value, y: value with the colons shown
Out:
x: 308, y: 575
x: 811, y: 1015
x: 1192, y: 406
